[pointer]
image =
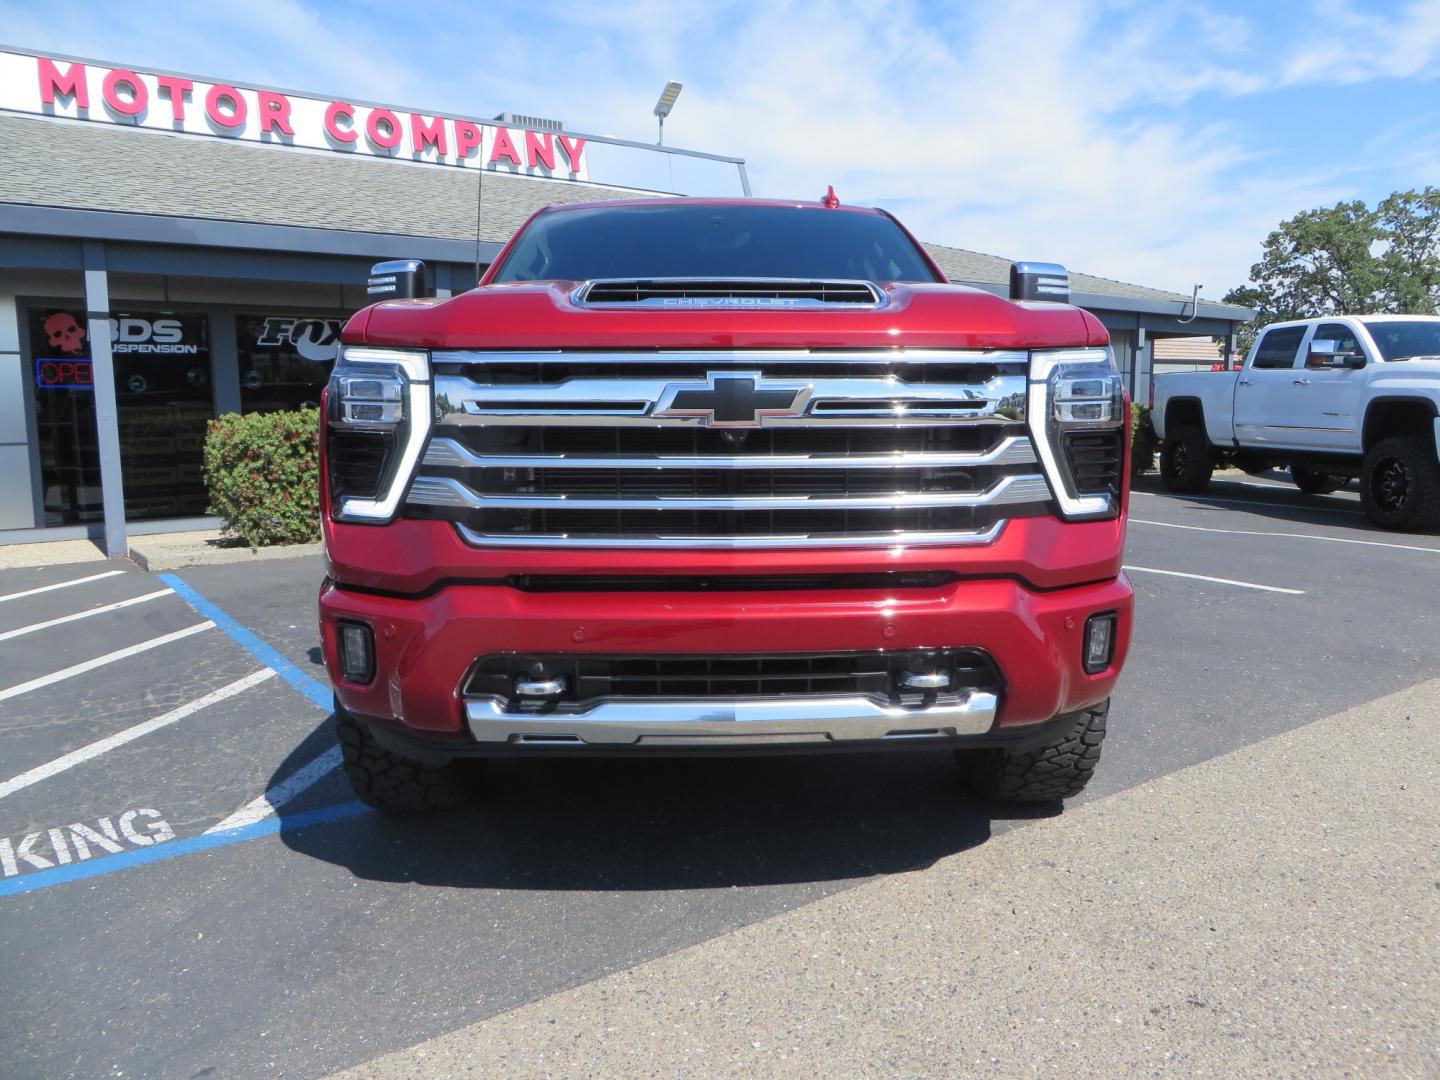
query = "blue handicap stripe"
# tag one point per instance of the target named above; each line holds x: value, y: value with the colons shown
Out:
x: 248, y: 640
x: 175, y: 849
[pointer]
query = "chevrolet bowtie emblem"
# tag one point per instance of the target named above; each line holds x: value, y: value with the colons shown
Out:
x: 734, y: 399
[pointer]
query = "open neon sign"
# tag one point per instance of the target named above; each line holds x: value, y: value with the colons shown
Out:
x: 58, y: 374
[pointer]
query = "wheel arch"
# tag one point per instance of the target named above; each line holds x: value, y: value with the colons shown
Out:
x: 1398, y: 415
x: 1184, y: 410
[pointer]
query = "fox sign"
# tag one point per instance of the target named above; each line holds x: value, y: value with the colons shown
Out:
x: 82, y: 90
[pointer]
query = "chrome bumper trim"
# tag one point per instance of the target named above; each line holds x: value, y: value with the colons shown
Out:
x: 731, y: 722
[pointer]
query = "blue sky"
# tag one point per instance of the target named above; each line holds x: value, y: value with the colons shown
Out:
x: 1148, y: 141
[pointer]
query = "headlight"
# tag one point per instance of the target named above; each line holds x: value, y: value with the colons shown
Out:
x: 378, y: 418
x: 1078, y: 422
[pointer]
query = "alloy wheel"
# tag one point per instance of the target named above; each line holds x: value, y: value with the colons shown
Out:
x: 1390, y: 485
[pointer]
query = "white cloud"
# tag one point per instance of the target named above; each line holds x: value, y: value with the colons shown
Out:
x: 1352, y: 47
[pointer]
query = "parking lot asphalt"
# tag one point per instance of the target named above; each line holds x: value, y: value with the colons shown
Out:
x: 317, y: 937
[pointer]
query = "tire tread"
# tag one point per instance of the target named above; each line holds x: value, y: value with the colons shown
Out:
x: 392, y: 783
x: 1054, y: 771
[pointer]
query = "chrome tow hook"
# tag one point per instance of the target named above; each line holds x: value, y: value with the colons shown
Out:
x: 540, y: 688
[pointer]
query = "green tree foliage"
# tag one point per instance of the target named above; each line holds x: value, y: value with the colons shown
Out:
x: 262, y: 473
x: 1348, y: 259
x: 1143, y: 443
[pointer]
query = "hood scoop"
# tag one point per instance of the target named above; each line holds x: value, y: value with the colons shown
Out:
x: 730, y: 294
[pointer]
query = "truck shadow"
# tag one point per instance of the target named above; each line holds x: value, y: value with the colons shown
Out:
x: 675, y: 823
x: 1284, y: 506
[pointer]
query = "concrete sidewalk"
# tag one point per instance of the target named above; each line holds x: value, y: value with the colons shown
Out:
x: 1272, y: 912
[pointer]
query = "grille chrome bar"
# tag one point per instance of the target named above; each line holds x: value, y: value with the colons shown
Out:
x: 447, y: 491
x: 898, y: 538
x: 445, y: 453
x: 637, y: 402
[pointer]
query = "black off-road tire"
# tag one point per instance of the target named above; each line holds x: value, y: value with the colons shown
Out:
x: 1185, y: 462
x: 1044, y: 773
x: 390, y: 782
x: 1400, y: 484
x: 1312, y: 482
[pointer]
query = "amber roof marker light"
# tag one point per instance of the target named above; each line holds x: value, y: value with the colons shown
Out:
x: 664, y: 105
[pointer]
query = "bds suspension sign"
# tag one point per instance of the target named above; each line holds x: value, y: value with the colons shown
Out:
x: 79, y: 90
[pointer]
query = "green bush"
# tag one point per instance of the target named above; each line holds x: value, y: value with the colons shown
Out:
x: 1143, y: 442
x: 262, y: 475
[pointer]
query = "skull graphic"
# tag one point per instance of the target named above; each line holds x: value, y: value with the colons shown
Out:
x: 65, y: 333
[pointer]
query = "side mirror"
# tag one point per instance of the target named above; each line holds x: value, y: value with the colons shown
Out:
x: 1325, y: 353
x: 1039, y: 281
x: 398, y: 279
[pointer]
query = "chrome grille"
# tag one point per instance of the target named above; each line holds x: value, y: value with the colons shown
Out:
x: 729, y: 449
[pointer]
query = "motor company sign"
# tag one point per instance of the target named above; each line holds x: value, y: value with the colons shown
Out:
x: 79, y: 90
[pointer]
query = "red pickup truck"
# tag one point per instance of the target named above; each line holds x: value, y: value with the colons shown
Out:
x: 722, y: 476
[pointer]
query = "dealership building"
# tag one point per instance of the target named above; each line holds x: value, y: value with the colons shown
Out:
x: 173, y: 247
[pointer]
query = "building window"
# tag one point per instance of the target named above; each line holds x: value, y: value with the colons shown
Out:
x: 285, y: 360
x: 163, y: 400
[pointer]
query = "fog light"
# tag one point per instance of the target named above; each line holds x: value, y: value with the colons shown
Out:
x: 1099, y: 642
x: 357, y: 652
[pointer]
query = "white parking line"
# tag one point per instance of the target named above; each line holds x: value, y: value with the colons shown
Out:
x: 130, y: 734
x: 1286, y: 535
x: 305, y: 777
x: 101, y: 661
x: 1218, y: 580
x: 8, y: 634
x: 60, y: 585
x: 1252, y: 502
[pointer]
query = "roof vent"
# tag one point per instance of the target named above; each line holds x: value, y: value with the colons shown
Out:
x: 534, y: 123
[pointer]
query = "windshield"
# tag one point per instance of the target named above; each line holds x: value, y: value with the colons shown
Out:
x: 1402, y: 340
x: 690, y: 240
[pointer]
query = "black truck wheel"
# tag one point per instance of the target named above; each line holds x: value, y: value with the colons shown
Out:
x: 1185, y: 461
x: 1400, y: 484
x: 1312, y: 482
x: 391, y: 782
x: 1055, y: 770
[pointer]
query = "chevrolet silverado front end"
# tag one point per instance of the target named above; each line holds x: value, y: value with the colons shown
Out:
x: 692, y: 475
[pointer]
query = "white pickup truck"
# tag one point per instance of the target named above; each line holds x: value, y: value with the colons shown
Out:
x: 1334, y: 399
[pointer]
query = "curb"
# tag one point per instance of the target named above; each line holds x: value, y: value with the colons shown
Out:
x: 173, y: 557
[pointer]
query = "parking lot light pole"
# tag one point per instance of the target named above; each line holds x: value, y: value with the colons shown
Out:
x: 664, y: 105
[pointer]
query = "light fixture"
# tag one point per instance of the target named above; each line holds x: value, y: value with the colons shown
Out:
x: 1099, y: 642
x: 665, y: 104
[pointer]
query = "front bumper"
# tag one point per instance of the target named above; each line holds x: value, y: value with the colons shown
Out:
x: 425, y: 646
x: 731, y: 722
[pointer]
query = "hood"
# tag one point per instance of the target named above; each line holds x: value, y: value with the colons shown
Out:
x: 544, y: 315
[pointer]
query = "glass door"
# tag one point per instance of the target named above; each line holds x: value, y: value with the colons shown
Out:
x: 163, y: 399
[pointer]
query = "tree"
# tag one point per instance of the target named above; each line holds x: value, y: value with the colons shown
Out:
x: 1348, y: 259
